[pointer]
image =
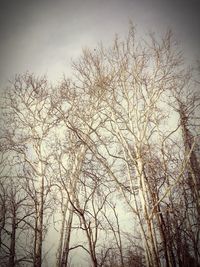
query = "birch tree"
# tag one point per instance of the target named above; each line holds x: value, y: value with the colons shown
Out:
x: 29, y: 124
x: 133, y: 81
x: 120, y: 132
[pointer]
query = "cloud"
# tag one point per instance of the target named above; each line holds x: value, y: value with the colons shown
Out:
x: 42, y: 36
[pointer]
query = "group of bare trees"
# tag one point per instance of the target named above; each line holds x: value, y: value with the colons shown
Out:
x: 109, y: 157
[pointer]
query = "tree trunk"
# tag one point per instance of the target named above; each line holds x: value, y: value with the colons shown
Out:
x: 39, y: 227
x: 12, y: 241
x: 153, y: 258
x: 65, y: 251
x: 60, y: 247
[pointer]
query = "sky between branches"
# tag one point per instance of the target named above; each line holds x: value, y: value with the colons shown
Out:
x: 43, y: 36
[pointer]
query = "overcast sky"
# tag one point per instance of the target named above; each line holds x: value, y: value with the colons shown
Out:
x: 42, y: 36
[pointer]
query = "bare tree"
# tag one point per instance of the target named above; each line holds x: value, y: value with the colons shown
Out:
x: 133, y: 82
x: 89, y: 205
x: 121, y: 131
x: 28, y: 112
x: 16, y: 216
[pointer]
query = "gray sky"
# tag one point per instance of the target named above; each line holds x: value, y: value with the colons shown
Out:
x: 42, y: 36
